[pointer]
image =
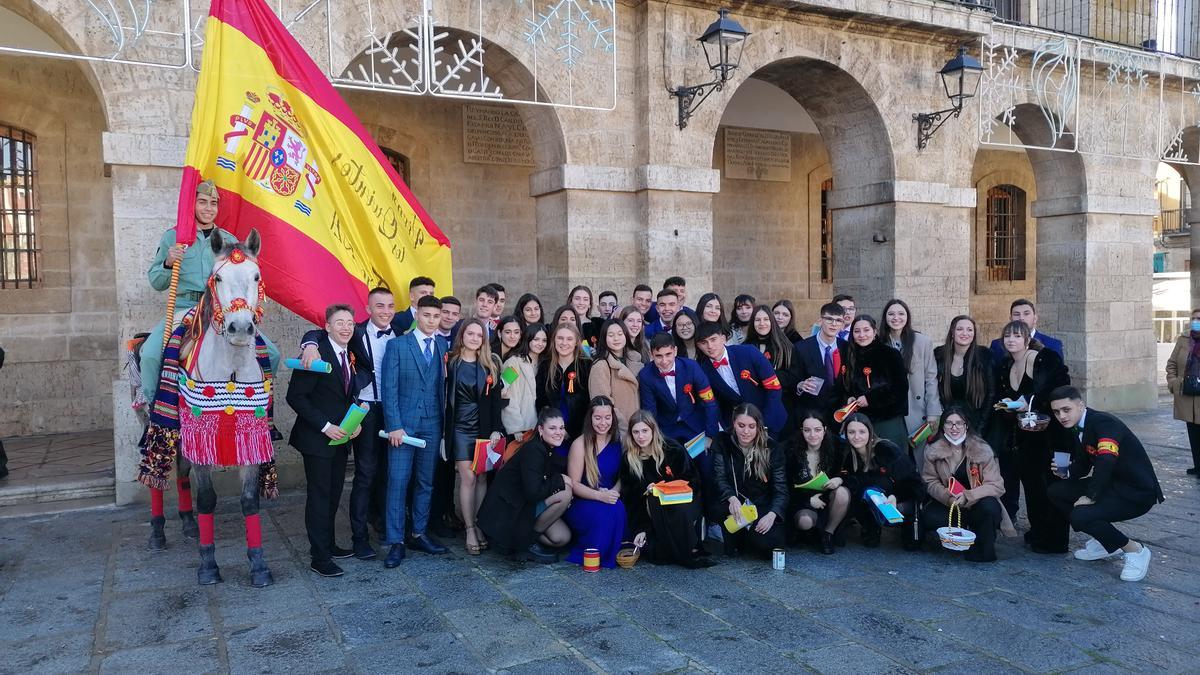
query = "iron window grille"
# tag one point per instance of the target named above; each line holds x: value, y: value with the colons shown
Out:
x: 18, y: 209
x: 826, y: 233
x: 1005, y: 233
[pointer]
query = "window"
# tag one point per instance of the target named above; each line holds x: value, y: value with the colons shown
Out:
x: 1005, y: 233
x: 18, y: 209
x: 399, y: 162
x: 826, y: 233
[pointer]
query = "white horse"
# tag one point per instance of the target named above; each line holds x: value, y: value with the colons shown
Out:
x: 214, y: 400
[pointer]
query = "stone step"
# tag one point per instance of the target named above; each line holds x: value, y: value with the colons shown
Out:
x: 60, y: 506
x: 40, y: 491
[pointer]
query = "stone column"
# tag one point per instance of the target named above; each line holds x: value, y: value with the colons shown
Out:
x: 909, y: 240
x: 1094, y: 256
x: 613, y: 227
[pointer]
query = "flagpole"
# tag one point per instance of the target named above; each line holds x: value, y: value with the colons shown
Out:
x: 169, y: 324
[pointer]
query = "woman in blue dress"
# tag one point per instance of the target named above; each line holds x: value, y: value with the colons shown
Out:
x: 597, y: 515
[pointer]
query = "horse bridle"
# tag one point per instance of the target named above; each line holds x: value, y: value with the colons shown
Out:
x: 236, y: 257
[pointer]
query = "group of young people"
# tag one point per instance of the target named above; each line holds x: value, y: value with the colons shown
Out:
x: 539, y: 431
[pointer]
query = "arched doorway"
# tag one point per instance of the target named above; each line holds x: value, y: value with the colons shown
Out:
x: 469, y: 163
x: 798, y: 141
x: 58, y: 299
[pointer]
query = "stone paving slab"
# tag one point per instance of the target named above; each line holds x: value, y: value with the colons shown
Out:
x: 79, y: 593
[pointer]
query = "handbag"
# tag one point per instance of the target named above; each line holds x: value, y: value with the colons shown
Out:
x: 1191, y: 385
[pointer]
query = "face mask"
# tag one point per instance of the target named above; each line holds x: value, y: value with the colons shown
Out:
x: 956, y: 441
x: 1196, y: 326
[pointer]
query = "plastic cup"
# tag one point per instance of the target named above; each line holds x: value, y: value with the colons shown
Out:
x: 1062, y: 460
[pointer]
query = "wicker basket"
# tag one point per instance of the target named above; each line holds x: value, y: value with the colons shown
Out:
x: 1032, y: 421
x: 954, y: 537
x: 628, y: 556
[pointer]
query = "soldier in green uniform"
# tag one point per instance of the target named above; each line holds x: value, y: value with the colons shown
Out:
x: 196, y: 265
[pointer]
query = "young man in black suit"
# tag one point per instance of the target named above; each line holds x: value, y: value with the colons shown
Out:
x: 818, y: 363
x: 321, y: 401
x: 418, y: 288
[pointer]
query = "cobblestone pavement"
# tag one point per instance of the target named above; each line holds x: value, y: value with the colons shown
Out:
x: 79, y: 593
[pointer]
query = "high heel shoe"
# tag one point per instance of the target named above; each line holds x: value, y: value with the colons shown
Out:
x: 472, y: 549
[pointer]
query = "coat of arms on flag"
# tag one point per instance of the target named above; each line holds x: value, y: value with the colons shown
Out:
x: 266, y: 140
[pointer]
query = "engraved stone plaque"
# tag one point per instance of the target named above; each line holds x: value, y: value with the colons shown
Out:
x: 495, y: 134
x: 758, y: 154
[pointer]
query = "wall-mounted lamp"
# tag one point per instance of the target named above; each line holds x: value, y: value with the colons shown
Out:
x: 960, y: 78
x: 723, y: 43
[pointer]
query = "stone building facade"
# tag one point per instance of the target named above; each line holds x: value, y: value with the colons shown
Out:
x: 614, y: 197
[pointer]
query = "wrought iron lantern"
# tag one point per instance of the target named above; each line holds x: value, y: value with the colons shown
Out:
x: 960, y: 78
x: 723, y: 42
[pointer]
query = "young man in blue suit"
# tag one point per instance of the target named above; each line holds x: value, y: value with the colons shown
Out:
x: 740, y: 374
x: 676, y: 391
x: 818, y: 362
x: 414, y: 404
x: 668, y: 304
x: 1023, y: 310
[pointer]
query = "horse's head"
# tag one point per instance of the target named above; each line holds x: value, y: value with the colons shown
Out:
x: 235, y: 289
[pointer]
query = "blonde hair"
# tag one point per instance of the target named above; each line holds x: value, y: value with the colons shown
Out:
x: 758, y: 454
x: 483, y: 356
x: 633, y: 454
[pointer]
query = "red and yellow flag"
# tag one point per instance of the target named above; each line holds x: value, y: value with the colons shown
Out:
x: 290, y: 159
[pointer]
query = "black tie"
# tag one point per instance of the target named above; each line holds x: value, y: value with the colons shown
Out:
x: 381, y: 333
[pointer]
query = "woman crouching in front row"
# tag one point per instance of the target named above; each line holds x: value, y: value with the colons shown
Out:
x: 875, y: 463
x: 666, y: 533
x: 961, y: 469
x: 750, y: 468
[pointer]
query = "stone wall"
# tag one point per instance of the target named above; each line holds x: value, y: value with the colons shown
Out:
x: 766, y: 234
x: 60, y: 336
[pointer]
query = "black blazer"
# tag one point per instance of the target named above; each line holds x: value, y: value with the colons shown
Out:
x: 1110, y: 457
x: 729, y: 470
x: 365, y: 372
x: 894, y: 473
x: 318, y: 398
x: 577, y: 402
x: 507, y: 513
x: 677, y: 465
x: 490, y: 401
x: 809, y: 361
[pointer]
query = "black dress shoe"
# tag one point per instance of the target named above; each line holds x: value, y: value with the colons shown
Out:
x: 363, y: 551
x: 826, y: 542
x: 339, y: 553
x: 425, y: 544
x: 394, y: 556
x: 326, y: 568
x: 1194, y: 471
x: 1038, y: 548
x: 536, y: 553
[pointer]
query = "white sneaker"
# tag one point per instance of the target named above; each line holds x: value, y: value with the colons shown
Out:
x: 1136, y: 565
x: 1094, y: 550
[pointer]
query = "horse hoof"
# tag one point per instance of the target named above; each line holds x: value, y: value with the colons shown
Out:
x: 260, y: 574
x: 208, y: 577
x: 158, y: 538
x: 188, y: 522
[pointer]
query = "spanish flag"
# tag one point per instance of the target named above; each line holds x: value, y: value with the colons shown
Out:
x: 290, y: 159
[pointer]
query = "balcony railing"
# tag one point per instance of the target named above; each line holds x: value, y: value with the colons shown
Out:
x: 1170, y: 26
x: 1171, y: 223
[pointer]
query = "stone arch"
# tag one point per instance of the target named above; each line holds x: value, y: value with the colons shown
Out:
x: 428, y: 129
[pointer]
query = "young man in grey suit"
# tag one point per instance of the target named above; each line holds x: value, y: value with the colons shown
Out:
x: 414, y: 404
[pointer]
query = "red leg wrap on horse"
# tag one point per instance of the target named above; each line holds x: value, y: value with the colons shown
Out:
x: 156, y: 502
x: 205, y: 521
x: 253, y: 532
x: 185, y: 493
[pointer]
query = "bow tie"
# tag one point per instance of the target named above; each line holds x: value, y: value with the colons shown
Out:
x: 1077, y: 429
x: 381, y: 333
x: 667, y: 373
x: 722, y: 362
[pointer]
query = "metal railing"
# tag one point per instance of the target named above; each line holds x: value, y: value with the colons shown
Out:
x: 1171, y: 222
x: 1170, y: 26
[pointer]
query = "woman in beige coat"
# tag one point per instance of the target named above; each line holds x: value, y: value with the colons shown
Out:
x: 614, y: 372
x: 924, y: 403
x: 1185, y: 361
x: 960, y: 469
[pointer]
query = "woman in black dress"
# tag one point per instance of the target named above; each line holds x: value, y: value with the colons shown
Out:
x: 562, y: 379
x: 749, y: 467
x: 874, y: 376
x: 523, y: 509
x: 473, y: 404
x: 876, y: 463
x: 768, y: 337
x: 784, y: 313
x: 666, y: 534
x: 822, y: 510
x: 966, y: 374
x: 1029, y: 371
